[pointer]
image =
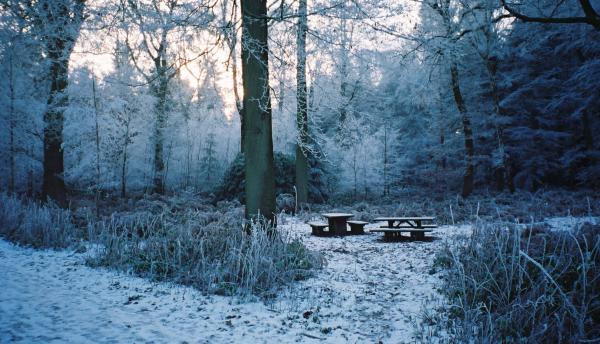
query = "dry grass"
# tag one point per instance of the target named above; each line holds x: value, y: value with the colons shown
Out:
x: 509, y: 284
x: 32, y: 224
x: 212, y: 253
x: 162, y: 239
x: 522, y: 206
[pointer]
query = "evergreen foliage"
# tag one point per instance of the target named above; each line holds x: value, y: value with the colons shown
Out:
x: 232, y: 185
x: 550, y: 103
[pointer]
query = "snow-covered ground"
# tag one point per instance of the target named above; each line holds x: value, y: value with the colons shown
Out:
x: 369, y: 291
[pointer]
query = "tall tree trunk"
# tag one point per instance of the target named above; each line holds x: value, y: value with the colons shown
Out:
x: 161, y: 89
x: 302, y: 149
x: 30, y: 188
x: 442, y: 142
x: 232, y: 40
x: 385, y: 161
x: 188, y: 156
x: 491, y: 64
x: 355, y: 172
x: 53, y: 184
x: 343, y: 63
x: 124, y: 161
x: 97, y: 127
x: 468, y: 132
x: 258, y: 141
x: 159, y: 163
x: 12, y: 124
x: 281, y: 95
x: 242, y: 129
x: 63, y: 20
x: 238, y: 103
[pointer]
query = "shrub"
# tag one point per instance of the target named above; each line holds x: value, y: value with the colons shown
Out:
x: 318, y: 184
x: 233, y: 184
x: 533, y: 285
x: 40, y: 226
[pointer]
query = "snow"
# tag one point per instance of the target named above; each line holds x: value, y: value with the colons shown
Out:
x: 369, y: 291
x: 568, y: 222
x: 337, y: 215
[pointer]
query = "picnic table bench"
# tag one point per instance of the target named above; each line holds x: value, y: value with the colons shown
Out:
x: 318, y: 228
x: 357, y: 227
x: 413, y: 225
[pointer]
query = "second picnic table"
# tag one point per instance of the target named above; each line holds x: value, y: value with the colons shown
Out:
x: 337, y: 222
x: 414, y: 225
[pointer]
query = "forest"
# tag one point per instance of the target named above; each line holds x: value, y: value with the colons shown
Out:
x: 169, y: 163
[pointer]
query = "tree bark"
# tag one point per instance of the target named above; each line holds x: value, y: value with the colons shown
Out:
x: 302, y: 149
x: 238, y: 103
x: 53, y: 184
x: 467, y: 131
x: 239, y: 106
x: 161, y: 91
x: 491, y: 64
x: 12, y: 124
x: 343, y: 63
x: 231, y: 40
x: 124, y: 161
x: 386, y: 190
x: 258, y: 142
x: 97, y: 131
x: 63, y: 20
x: 442, y: 142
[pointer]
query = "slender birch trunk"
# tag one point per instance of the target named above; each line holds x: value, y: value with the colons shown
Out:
x: 302, y: 149
x: 124, y: 160
x: 97, y: 132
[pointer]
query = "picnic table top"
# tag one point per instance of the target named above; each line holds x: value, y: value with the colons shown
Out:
x: 334, y: 215
x: 406, y: 218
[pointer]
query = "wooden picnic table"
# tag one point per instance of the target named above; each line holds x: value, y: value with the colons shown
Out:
x: 406, y: 221
x: 337, y: 222
x: 414, y: 225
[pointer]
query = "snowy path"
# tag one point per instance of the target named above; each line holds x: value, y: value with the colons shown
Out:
x: 369, y: 291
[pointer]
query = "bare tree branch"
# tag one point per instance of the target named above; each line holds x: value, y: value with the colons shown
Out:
x: 591, y: 16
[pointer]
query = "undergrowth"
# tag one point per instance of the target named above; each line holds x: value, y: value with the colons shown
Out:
x: 520, y: 207
x: 517, y: 285
x: 31, y: 224
x: 216, y: 255
x: 203, y: 246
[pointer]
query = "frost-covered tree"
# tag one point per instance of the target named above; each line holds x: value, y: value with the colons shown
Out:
x: 161, y: 44
x: 445, y: 40
x: 54, y: 26
x: 302, y: 148
x: 22, y: 103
